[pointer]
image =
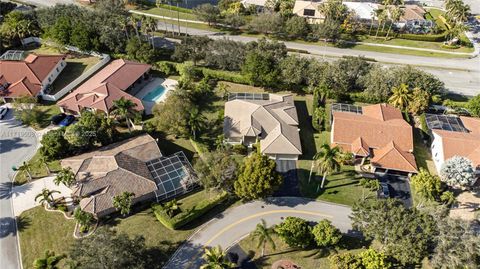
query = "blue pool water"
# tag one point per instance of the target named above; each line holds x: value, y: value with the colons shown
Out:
x: 154, y: 95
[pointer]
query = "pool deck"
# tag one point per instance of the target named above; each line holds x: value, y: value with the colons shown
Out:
x: 169, y: 85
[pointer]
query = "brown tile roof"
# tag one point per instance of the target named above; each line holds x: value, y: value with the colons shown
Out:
x: 462, y: 144
x: 377, y: 127
x: 26, y: 76
x: 391, y: 157
x: 111, y: 170
x: 106, y: 86
x: 275, y: 119
x: 413, y: 12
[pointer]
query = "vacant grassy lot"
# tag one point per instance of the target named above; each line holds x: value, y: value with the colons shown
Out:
x: 41, y: 230
x: 170, y: 13
x: 313, y: 258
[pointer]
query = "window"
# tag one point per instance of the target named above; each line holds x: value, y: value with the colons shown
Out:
x: 309, y: 12
x: 57, y: 69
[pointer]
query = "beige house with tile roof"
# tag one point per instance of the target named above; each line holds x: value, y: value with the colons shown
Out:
x: 269, y: 118
x: 309, y: 10
x: 132, y: 165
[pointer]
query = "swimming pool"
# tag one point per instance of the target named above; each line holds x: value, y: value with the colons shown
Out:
x: 154, y: 95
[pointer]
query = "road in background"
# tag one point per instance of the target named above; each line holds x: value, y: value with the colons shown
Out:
x: 17, y: 144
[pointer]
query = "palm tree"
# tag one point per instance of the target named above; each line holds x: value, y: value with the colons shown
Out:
x: 382, y: 17
x: 457, y: 11
x: 264, y: 236
x: 124, y: 108
x: 48, y: 261
x: 195, y: 121
x: 400, y: 97
x: 84, y: 219
x: 46, y: 196
x: 159, y: 4
x: 123, y: 202
x: 43, y: 160
x: 26, y: 168
x: 395, y: 14
x: 134, y: 21
x: 171, y: 207
x: 178, y: 14
x: 65, y: 177
x: 327, y: 161
x: 455, y: 30
x: 215, y: 258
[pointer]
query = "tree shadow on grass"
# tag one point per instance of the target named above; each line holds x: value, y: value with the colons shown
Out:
x: 306, y: 131
x: 23, y: 223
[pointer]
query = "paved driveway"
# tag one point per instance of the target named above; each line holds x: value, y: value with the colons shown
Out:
x: 17, y: 144
x: 24, y: 196
x: 231, y: 226
x: 290, y: 186
x: 399, y: 188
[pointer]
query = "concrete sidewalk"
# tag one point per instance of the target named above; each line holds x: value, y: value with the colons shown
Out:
x: 23, y: 196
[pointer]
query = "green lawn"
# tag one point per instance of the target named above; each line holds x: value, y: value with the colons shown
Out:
x: 170, y: 13
x: 76, y: 66
x: 47, y: 112
x: 304, y: 258
x: 414, y: 44
x: 38, y: 169
x: 422, y: 153
x: 41, y: 230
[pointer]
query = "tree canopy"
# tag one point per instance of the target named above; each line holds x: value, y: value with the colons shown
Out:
x: 295, y: 232
x: 258, y: 178
x: 458, y: 172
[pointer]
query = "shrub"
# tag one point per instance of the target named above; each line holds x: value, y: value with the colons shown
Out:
x: 187, y: 215
x: 229, y: 76
x: 431, y: 38
x: 167, y: 68
x: 240, y: 149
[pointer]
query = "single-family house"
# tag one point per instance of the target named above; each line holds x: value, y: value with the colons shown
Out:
x: 309, y: 10
x: 270, y: 119
x: 454, y: 136
x: 364, y: 11
x: 258, y: 5
x: 27, y: 74
x: 377, y: 132
x: 134, y: 165
x: 115, y: 81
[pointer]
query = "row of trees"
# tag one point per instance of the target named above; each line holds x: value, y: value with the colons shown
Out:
x: 266, y: 63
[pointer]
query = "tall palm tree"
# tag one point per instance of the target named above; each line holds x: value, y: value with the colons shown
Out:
x: 382, y: 17
x: 135, y: 21
x: 327, y: 160
x: 159, y: 4
x: 215, y: 258
x: 395, y: 14
x: 195, y: 121
x: 178, y: 14
x: 46, y: 196
x: 400, y: 97
x: 48, y: 261
x: 123, y: 202
x: 124, y: 108
x: 26, y: 168
x: 264, y: 236
x: 65, y: 177
x: 456, y: 29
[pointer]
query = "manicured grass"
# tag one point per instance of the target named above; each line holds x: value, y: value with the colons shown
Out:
x: 342, y: 187
x: 41, y: 230
x: 48, y: 111
x: 415, y: 44
x: 407, y: 52
x: 422, y: 153
x: 171, y: 13
x: 38, y: 169
x: 170, y: 145
x: 312, y: 258
x: 75, y: 67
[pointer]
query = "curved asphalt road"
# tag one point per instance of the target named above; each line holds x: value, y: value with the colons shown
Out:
x: 17, y: 144
x: 231, y: 226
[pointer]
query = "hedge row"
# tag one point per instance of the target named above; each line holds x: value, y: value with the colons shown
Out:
x: 229, y: 76
x: 431, y: 38
x: 189, y: 214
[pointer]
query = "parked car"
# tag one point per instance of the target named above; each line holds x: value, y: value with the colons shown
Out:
x: 384, y: 191
x: 58, y: 118
x: 3, y: 112
x: 67, y: 121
